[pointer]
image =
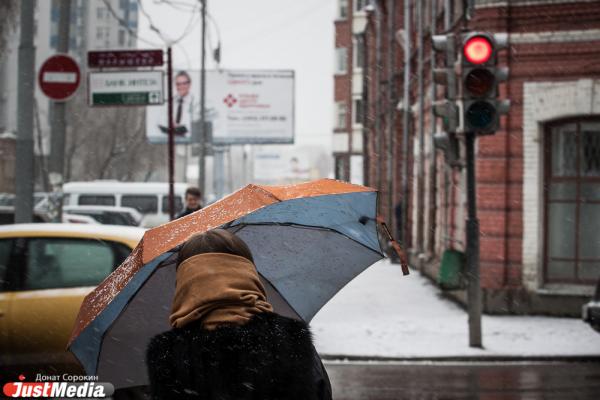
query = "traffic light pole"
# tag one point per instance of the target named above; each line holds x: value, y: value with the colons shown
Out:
x: 474, y: 289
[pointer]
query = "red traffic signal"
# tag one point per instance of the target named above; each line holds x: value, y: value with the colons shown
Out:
x: 478, y: 50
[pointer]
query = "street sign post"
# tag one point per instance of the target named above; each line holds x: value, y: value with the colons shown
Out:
x: 130, y: 88
x: 125, y: 58
x: 59, y: 77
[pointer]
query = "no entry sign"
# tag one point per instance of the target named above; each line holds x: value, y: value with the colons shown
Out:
x: 59, y: 77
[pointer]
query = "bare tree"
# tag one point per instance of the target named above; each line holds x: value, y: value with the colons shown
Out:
x: 109, y: 143
x: 9, y: 11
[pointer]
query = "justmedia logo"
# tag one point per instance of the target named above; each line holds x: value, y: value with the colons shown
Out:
x: 69, y: 390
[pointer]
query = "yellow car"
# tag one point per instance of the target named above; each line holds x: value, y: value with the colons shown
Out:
x: 45, y: 272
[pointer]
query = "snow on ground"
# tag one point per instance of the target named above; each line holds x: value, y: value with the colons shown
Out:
x: 383, y: 313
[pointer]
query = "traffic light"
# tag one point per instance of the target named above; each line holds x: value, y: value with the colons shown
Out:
x: 447, y: 109
x: 480, y: 76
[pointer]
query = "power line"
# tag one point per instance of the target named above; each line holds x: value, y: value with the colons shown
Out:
x: 125, y: 25
x: 186, y: 31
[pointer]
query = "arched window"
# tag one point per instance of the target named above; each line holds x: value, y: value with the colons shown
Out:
x: 572, y: 201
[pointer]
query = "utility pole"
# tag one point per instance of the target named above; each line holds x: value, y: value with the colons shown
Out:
x: 58, y: 124
x: 202, y: 153
x: 24, y: 175
x: 474, y: 287
x: 171, y: 147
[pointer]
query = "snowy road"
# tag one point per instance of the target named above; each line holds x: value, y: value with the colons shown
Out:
x: 507, y: 381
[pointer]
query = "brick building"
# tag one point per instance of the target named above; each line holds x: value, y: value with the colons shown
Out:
x: 538, y: 178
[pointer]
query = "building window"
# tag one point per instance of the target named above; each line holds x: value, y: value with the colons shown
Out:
x: 341, y: 167
x: 342, y: 9
x: 100, y: 11
x: 359, y: 52
x: 340, y: 115
x: 360, y: 4
x: 99, y: 33
x: 121, y: 37
x: 359, y: 111
x: 572, y: 202
x: 341, y: 60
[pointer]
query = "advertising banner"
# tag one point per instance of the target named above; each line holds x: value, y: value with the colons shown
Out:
x: 251, y: 107
x: 244, y: 107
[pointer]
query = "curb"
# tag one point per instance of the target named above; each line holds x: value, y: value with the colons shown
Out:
x: 453, y: 359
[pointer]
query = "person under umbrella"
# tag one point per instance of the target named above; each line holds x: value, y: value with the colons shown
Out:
x: 225, y: 341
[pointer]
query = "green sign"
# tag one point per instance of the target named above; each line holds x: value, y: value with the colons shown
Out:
x: 126, y: 88
x: 130, y: 99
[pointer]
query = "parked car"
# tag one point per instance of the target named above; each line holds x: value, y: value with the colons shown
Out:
x: 107, y: 215
x: 45, y: 272
x: 7, y: 217
x: 149, y: 198
x: 7, y: 199
x: 78, y: 219
x: 591, y: 310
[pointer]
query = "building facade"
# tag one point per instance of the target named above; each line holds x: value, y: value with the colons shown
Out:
x: 95, y: 24
x: 538, y: 177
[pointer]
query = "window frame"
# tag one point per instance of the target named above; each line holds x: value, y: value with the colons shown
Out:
x: 341, y: 114
x: 358, y: 52
x: 359, y: 5
x: 358, y: 111
x: 343, y: 10
x: 548, y: 179
x: 341, y: 60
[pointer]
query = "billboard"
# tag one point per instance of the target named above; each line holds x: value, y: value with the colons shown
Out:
x: 186, y: 110
x: 244, y: 106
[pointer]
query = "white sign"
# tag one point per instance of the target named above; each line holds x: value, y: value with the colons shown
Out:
x: 125, y: 88
x: 60, y: 77
x: 251, y: 107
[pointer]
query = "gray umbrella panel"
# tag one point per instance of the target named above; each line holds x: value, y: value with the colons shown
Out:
x: 315, y: 265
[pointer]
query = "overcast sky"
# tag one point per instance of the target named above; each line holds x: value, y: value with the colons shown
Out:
x: 262, y: 34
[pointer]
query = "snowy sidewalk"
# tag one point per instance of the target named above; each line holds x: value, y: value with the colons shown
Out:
x: 384, y: 314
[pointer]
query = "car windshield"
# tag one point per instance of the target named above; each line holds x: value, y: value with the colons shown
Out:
x: 144, y: 204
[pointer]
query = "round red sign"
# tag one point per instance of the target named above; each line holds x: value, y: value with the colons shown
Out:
x: 59, y: 77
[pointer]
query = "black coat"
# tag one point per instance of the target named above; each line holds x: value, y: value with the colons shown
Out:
x: 269, y: 358
x: 186, y: 211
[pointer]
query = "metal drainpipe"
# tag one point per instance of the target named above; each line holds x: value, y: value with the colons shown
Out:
x: 507, y: 146
x: 365, y: 102
x: 448, y: 172
x: 391, y: 110
x: 378, y: 131
x: 421, y: 166
x: 433, y: 160
x: 406, y: 123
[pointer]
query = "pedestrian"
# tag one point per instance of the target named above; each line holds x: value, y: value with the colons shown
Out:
x: 226, y: 342
x: 192, y: 202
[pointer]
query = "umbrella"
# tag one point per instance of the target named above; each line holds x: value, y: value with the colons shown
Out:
x: 308, y: 241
